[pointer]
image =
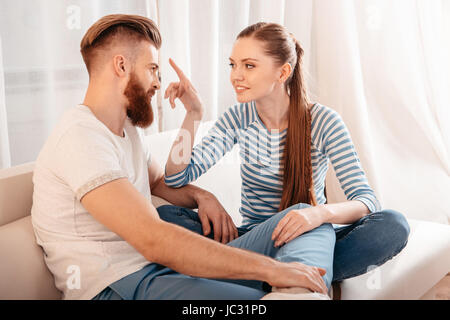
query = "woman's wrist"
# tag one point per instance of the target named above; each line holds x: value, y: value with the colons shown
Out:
x: 325, y: 213
x: 195, y: 114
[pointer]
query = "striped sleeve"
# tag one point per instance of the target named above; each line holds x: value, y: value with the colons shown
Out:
x: 219, y: 140
x: 333, y: 139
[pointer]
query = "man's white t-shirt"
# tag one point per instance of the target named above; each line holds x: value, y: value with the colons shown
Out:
x: 80, y: 155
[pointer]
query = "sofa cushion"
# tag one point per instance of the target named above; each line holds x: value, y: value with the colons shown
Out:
x: 23, y: 272
x: 408, y: 276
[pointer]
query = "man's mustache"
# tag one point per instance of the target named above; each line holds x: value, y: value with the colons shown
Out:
x: 151, y: 93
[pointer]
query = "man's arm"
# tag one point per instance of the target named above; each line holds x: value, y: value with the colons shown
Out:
x: 122, y: 209
x: 187, y: 196
x: 210, y: 211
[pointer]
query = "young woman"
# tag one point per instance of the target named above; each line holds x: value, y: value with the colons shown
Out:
x: 286, y: 143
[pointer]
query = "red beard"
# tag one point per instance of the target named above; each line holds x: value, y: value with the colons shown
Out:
x: 139, y: 109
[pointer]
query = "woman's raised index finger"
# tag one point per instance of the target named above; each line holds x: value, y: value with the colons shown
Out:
x: 177, y: 69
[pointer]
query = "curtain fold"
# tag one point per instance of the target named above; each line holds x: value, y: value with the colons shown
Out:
x: 5, y: 157
x: 436, y: 70
x: 340, y: 86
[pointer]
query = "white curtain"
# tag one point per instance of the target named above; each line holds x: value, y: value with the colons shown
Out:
x: 383, y: 65
x: 5, y: 158
x: 42, y: 66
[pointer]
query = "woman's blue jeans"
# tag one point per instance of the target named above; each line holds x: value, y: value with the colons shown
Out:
x: 344, y: 251
x: 314, y: 248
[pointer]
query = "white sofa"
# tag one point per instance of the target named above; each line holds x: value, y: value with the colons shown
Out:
x: 24, y: 275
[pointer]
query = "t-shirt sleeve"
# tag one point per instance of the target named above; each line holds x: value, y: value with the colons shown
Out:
x: 85, y: 158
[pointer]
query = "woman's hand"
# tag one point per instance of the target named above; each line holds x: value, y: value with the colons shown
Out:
x: 297, y: 222
x: 185, y: 91
x: 211, y: 211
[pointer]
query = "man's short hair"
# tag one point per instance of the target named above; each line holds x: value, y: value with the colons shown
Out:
x: 133, y: 28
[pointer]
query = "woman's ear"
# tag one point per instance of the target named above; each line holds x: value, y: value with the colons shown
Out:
x: 286, y: 70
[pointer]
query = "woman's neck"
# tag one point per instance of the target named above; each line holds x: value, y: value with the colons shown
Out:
x: 273, y: 110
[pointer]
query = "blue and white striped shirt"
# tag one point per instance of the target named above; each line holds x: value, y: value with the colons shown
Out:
x: 262, y: 163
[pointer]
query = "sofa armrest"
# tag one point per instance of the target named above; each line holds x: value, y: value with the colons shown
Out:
x: 23, y: 272
x: 16, y: 192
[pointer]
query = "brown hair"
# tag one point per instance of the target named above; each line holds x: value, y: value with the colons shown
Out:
x: 298, y: 186
x: 129, y: 27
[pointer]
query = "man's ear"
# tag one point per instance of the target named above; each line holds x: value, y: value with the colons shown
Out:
x: 120, y: 65
x: 286, y: 70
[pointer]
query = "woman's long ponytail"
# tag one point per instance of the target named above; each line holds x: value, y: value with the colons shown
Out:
x: 297, y: 179
x: 298, y: 185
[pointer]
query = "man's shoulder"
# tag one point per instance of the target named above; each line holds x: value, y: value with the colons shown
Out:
x: 79, y: 123
x: 77, y: 126
x: 79, y: 117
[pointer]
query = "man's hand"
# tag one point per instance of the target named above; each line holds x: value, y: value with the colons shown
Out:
x: 211, y: 211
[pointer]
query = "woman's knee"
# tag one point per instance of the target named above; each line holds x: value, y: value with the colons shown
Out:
x: 302, y: 205
x: 325, y: 231
x: 313, y: 248
x: 397, y: 221
x: 275, y: 219
x: 396, y: 225
x: 296, y: 206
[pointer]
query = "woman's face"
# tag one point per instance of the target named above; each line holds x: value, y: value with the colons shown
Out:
x: 253, y: 75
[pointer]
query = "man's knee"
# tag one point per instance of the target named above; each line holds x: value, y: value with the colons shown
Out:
x: 167, y: 212
x: 181, y: 217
